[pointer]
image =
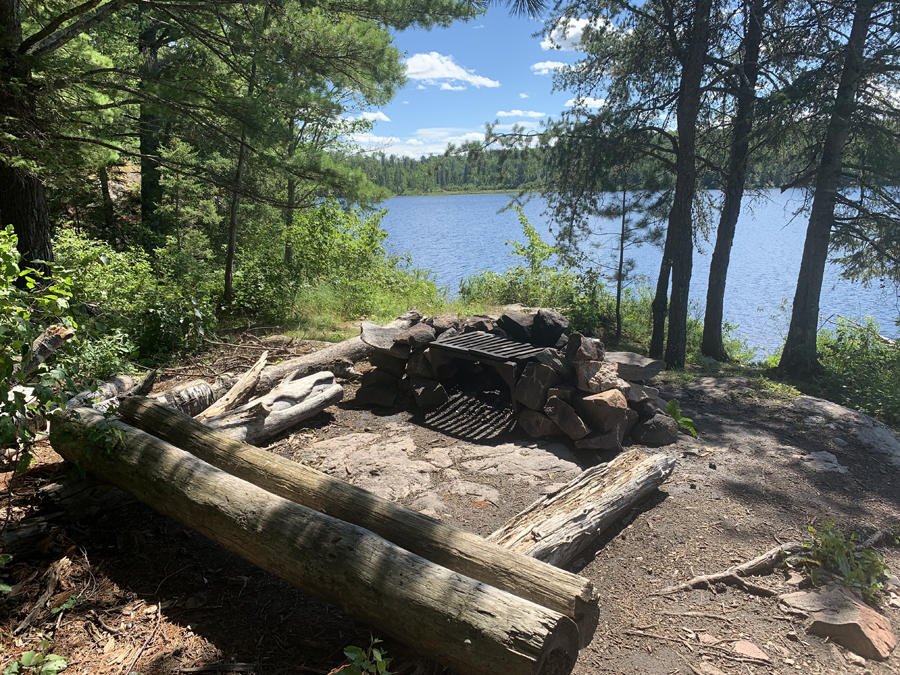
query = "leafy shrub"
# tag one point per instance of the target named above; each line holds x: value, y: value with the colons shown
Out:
x: 363, y: 661
x: 28, y: 305
x: 860, y: 369
x: 830, y: 551
x: 163, y: 306
x: 535, y: 283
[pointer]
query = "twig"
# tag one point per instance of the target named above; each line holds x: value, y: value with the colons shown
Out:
x: 698, y: 615
x: 239, y: 345
x: 879, y: 537
x: 140, y: 651
x: 104, y: 625
x: 763, y: 564
x: 41, y: 602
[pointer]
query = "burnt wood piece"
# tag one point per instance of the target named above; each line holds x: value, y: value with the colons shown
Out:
x: 506, y: 355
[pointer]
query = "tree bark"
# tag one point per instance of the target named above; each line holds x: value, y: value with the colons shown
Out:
x: 660, y: 304
x: 681, y: 226
x: 712, y: 344
x: 150, y: 127
x: 468, y: 626
x: 799, y: 358
x: 23, y: 202
x: 443, y: 544
x: 240, y: 392
x: 557, y: 527
x: 109, y: 214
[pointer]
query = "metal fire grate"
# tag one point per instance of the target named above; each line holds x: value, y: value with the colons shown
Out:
x: 469, y: 416
x: 506, y: 355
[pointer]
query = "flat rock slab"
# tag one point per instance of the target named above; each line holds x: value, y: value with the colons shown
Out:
x: 837, y: 614
x: 635, y: 367
x: 391, y: 466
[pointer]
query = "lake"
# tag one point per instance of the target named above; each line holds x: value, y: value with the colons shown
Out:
x: 457, y: 235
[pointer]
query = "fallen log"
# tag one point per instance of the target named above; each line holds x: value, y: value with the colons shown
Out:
x: 468, y: 626
x: 195, y: 396
x: 557, y: 527
x: 46, y: 344
x: 239, y: 393
x: 285, y: 406
x: 330, y: 358
x: 461, y: 551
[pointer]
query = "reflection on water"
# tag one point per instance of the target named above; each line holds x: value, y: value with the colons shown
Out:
x: 458, y: 235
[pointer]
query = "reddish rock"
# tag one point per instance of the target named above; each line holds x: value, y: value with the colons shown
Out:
x: 603, y: 411
x: 750, y: 650
x: 839, y: 615
x: 597, y: 376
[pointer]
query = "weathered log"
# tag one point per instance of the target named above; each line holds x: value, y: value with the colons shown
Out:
x: 46, y: 344
x: 352, y: 350
x: 113, y: 387
x: 240, y: 393
x: 461, y: 551
x: 195, y: 396
x: 468, y: 626
x: 557, y: 527
x: 285, y: 406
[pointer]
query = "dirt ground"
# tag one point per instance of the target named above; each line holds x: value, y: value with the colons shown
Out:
x: 139, y: 593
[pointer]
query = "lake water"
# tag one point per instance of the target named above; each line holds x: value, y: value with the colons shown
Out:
x: 457, y: 235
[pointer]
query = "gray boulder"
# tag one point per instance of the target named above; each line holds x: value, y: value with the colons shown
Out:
x: 416, y: 337
x: 634, y: 367
x: 377, y: 394
x: 548, y: 326
x: 537, y: 424
x: 532, y: 387
x: 563, y: 367
x: 428, y: 393
x: 656, y: 431
x: 517, y: 325
x: 566, y: 419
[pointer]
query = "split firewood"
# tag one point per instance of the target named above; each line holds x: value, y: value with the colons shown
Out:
x: 240, y: 393
x: 557, y: 527
x: 284, y: 407
x: 733, y: 576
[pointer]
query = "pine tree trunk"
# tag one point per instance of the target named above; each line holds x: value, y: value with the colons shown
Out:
x: 660, y: 304
x: 109, y: 216
x: 23, y: 202
x: 713, y: 344
x: 799, y: 358
x: 149, y: 128
x: 680, y: 237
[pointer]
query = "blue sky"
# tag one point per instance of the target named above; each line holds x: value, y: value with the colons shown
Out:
x: 461, y: 77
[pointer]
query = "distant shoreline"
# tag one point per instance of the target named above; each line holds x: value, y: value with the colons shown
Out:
x: 452, y: 193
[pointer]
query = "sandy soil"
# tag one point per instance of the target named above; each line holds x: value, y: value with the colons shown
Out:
x: 142, y: 594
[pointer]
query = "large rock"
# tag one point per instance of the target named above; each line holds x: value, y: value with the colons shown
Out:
x: 428, y: 393
x: 656, y: 431
x: 598, y: 376
x: 549, y: 325
x: 602, y: 442
x: 634, y: 367
x: 517, y: 325
x: 477, y: 322
x: 416, y: 337
x: 382, y: 337
x: 631, y: 420
x: 537, y: 424
x: 837, y: 614
x: 532, y: 387
x: 388, y: 363
x: 379, y: 376
x: 604, y: 411
x: 566, y: 419
x: 582, y: 348
x: 552, y: 358
x: 419, y: 365
x: 443, y: 322
x: 641, y: 394
x: 566, y: 392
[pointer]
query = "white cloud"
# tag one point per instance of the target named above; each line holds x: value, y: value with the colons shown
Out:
x: 523, y: 95
x: 405, y: 102
x: 477, y: 27
x: 519, y: 113
x: 547, y: 67
x: 421, y: 87
x: 427, y: 141
x: 375, y: 116
x: 566, y: 36
x: 587, y: 102
x: 434, y: 68
x: 446, y: 86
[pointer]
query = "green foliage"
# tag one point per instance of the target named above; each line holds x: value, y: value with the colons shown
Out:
x: 149, y: 307
x: 535, y: 283
x: 370, y: 660
x: 860, y: 369
x: 37, y: 662
x: 28, y: 305
x: 686, y: 424
x: 829, y: 550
